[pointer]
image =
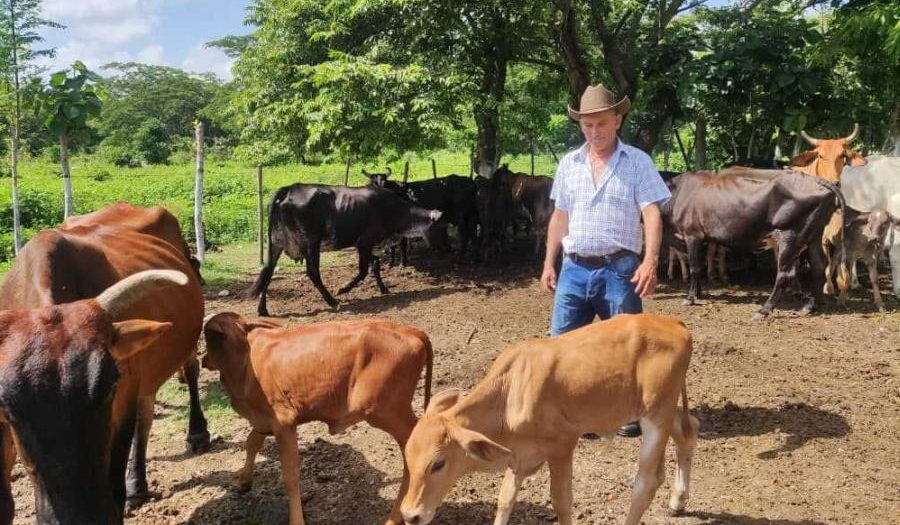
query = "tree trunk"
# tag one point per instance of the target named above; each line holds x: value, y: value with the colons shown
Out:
x: 199, y: 230
x: 664, y: 104
x: 798, y: 143
x: 17, y: 118
x: 68, y: 199
x: 14, y: 173
x: 895, y: 132
x: 700, y: 144
x: 491, y: 91
x: 577, y: 73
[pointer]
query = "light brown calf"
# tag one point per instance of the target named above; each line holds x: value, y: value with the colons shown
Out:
x: 864, y: 236
x: 340, y: 373
x: 541, y: 395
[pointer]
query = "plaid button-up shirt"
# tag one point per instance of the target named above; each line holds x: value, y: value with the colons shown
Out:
x: 606, y: 218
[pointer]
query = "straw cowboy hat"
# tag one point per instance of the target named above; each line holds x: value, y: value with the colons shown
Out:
x: 596, y: 99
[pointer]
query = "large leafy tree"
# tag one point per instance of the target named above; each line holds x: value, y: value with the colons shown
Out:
x: 139, y: 93
x: 70, y: 99
x: 20, y: 22
x: 865, y: 51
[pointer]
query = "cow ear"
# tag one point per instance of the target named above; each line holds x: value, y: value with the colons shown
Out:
x: 857, y: 160
x: 805, y: 158
x: 135, y: 335
x: 478, y: 446
x: 443, y: 400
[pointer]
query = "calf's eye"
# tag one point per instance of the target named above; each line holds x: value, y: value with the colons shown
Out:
x: 438, y: 465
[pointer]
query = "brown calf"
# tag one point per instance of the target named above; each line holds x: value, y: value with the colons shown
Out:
x: 864, y: 236
x: 340, y: 373
x: 541, y: 395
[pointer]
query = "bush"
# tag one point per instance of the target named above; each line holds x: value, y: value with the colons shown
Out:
x: 151, y: 142
x: 119, y: 156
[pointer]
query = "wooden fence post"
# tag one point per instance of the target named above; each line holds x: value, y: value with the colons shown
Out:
x: 199, y: 231
x: 471, y: 162
x: 433, y: 169
x: 405, y: 172
x: 259, y: 213
x: 532, y: 157
x: 347, y: 172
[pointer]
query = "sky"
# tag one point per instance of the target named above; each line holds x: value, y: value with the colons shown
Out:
x: 163, y: 32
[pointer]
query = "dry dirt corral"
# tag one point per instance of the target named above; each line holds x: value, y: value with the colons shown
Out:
x: 800, y: 416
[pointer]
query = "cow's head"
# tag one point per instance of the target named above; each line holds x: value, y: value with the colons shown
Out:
x: 828, y: 156
x: 438, y: 453
x: 227, y: 347
x: 59, y: 369
x: 378, y: 179
x: 877, y: 226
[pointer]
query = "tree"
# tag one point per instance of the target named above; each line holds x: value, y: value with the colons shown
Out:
x: 865, y: 43
x: 143, y: 92
x: 66, y: 104
x: 19, y: 24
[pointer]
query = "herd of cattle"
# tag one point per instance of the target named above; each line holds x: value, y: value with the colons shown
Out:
x: 95, y: 315
x: 811, y: 211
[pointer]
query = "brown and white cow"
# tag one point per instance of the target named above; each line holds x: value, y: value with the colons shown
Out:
x: 541, y: 395
x: 65, y: 357
x: 339, y: 372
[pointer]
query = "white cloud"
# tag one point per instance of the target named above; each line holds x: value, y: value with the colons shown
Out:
x: 202, y: 59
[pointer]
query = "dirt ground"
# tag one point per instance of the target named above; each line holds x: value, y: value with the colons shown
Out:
x: 800, y: 415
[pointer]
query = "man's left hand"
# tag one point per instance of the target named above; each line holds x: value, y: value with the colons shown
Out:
x: 645, y: 279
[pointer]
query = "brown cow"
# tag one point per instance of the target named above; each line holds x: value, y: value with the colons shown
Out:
x: 51, y: 326
x: 73, y: 375
x: 541, y: 395
x: 337, y: 372
x: 828, y: 156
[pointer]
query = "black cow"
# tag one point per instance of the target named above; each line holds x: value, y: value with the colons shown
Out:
x: 739, y: 207
x: 304, y: 216
x: 495, y: 213
x: 454, y: 195
x: 530, y: 200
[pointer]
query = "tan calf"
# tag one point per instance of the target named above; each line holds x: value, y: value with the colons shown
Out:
x: 541, y: 395
x: 864, y: 236
x: 340, y: 373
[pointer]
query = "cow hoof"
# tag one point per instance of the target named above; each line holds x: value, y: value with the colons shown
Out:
x: 136, y: 500
x: 806, y: 310
x: 242, y: 486
x: 688, y: 302
x: 198, y: 443
x: 674, y: 513
x: 758, y: 316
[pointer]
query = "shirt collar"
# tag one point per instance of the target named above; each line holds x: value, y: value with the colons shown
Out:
x: 582, y: 152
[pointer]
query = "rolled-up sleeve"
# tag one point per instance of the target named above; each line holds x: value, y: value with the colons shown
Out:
x: 558, y: 193
x: 651, y: 188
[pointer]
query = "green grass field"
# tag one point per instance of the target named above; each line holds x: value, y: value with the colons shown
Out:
x: 230, y: 195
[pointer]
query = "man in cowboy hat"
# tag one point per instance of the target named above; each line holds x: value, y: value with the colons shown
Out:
x: 601, y: 192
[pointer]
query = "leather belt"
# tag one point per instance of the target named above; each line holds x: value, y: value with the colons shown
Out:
x: 598, y: 261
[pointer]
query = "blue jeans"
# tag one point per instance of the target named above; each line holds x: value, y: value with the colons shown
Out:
x: 583, y: 292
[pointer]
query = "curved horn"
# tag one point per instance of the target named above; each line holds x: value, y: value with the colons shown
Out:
x: 118, y: 297
x: 807, y: 138
x: 852, y: 136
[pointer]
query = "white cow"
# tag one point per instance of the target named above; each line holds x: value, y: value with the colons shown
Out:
x: 876, y: 186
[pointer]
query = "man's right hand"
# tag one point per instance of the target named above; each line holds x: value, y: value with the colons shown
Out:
x: 548, y: 278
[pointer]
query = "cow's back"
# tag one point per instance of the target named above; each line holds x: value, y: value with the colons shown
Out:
x: 363, y: 359
x: 566, y: 381
x: 875, y: 186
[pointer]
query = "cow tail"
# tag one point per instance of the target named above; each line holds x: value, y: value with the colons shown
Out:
x: 275, y: 249
x: 429, y: 366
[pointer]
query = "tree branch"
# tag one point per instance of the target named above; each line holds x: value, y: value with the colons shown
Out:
x: 697, y: 3
x: 555, y: 66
